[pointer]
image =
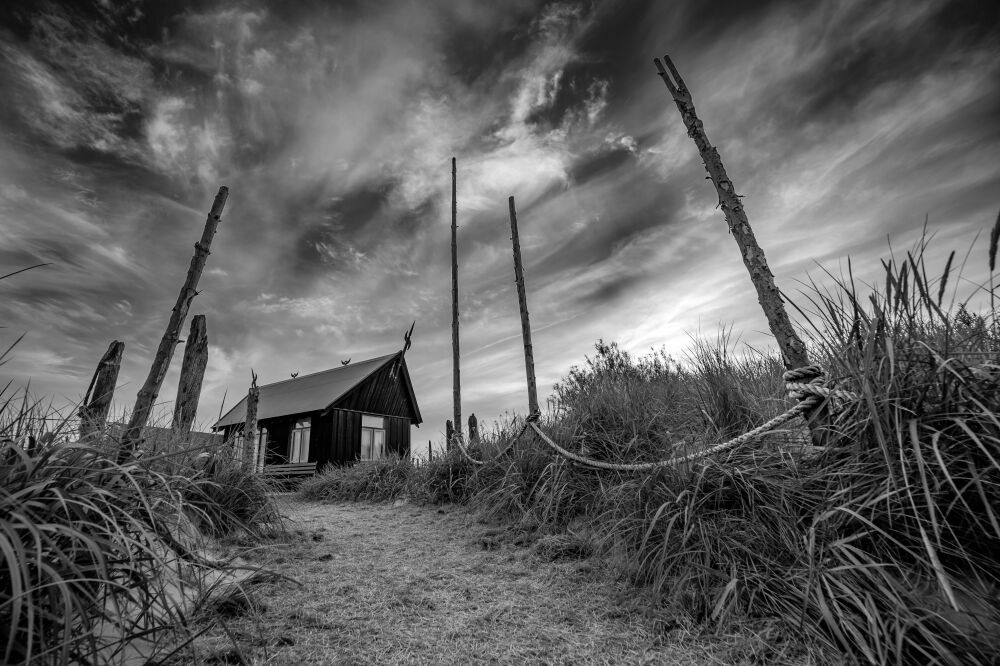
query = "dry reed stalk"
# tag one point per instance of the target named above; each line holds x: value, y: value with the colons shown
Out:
x: 994, y: 239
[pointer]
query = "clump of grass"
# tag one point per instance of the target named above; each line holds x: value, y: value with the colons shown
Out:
x: 99, y: 562
x: 881, y: 548
x: 448, y: 478
x: 83, y: 542
x: 228, y: 499
x: 372, y: 480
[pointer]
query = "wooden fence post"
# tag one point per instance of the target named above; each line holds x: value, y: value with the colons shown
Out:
x: 430, y: 451
x: 449, y: 433
x: 529, y: 358
x: 97, y: 401
x: 192, y: 375
x: 161, y: 362
x: 250, y: 426
x: 793, y: 350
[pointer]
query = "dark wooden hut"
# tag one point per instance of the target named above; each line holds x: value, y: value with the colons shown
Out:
x: 359, y: 411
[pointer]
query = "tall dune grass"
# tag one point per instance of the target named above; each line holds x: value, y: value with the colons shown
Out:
x: 96, y: 557
x: 880, y: 548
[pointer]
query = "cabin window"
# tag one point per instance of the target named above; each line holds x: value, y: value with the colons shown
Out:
x: 372, y: 437
x: 299, y: 451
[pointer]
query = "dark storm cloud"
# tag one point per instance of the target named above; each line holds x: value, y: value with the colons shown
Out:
x: 878, y: 54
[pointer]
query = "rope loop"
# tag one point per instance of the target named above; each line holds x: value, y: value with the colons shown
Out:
x: 807, y: 385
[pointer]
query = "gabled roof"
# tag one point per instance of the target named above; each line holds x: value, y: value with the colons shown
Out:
x: 314, y: 392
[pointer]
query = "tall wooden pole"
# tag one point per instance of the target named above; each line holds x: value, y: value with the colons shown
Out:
x: 97, y: 401
x: 522, y: 300
x: 151, y: 388
x: 250, y: 427
x: 792, y: 348
x: 456, y: 378
x: 192, y: 375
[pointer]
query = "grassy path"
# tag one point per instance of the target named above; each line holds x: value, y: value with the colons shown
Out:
x: 386, y: 584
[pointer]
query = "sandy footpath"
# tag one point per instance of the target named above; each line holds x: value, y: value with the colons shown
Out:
x: 387, y: 584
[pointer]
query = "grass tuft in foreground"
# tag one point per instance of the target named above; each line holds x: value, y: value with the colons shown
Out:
x: 99, y: 562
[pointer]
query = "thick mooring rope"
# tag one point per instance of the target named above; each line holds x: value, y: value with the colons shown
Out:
x: 803, y: 384
x: 468, y: 456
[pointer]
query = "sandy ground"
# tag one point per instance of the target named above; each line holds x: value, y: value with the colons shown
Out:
x: 399, y: 583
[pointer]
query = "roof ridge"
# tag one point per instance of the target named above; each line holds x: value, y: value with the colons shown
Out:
x: 367, y: 376
x: 320, y: 372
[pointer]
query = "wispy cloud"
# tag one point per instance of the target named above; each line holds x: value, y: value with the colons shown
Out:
x: 334, y: 125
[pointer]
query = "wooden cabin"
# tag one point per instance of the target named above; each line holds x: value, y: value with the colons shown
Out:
x: 359, y: 411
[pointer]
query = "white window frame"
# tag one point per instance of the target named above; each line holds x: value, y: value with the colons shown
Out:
x: 298, y: 444
x: 373, y: 437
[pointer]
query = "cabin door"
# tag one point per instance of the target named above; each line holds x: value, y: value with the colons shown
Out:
x: 299, y: 450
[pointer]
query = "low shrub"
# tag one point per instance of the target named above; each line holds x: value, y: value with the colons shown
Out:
x: 228, y: 499
x: 373, y: 480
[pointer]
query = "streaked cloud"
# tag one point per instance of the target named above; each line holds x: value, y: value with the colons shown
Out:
x: 334, y: 125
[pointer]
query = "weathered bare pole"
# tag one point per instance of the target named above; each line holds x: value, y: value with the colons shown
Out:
x: 97, y: 401
x: 151, y: 388
x: 792, y: 348
x: 456, y: 375
x: 192, y: 375
x: 522, y: 299
x: 250, y: 426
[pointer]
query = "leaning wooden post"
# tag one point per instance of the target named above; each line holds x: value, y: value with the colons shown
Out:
x: 473, y: 429
x: 250, y: 426
x: 792, y: 348
x: 456, y: 379
x: 97, y: 401
x: 529, y: 358
x: 151, y: 388
x: 192, y: 375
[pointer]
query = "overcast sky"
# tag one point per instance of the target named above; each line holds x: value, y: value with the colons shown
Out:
x: 843, y: 123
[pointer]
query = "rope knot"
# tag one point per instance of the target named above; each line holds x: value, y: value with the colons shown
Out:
x: 809, y: 383
x: 534, y: 417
